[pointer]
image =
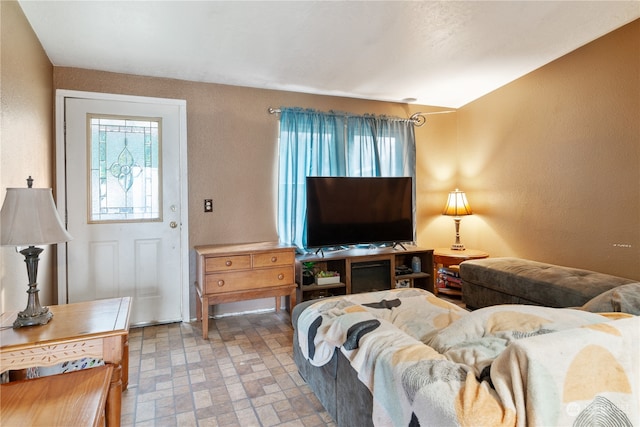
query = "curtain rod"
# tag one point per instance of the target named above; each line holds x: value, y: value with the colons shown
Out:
x: 418, y: 119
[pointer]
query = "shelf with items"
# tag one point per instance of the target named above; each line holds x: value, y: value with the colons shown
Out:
x: 448, y: 280
x: 357, y: 265
x: 446, y: 268
x: 418, y: 279
x: 306, y: 272
x: 307, y: 292
x: 414, y: 280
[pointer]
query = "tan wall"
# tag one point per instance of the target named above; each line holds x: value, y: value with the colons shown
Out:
x: 551, y: 162
x: 232, y: 146
x: 26, y: 147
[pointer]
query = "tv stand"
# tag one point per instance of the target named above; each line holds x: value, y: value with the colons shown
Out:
x: 373, y: 264
x: 399, y: 244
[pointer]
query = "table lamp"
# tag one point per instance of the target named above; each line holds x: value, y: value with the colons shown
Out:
x: 29, y: 218
x: 457, y: 206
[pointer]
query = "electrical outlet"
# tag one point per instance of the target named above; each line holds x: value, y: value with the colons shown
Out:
x: 208, y: 205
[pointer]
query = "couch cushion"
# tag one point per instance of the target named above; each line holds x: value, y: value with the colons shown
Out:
x: 622, y: 299
x: 536, y: 282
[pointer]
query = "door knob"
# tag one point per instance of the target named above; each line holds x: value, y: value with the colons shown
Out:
x: 173, y: 224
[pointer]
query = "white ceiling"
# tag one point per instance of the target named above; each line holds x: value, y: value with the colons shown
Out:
x: 442, y: 53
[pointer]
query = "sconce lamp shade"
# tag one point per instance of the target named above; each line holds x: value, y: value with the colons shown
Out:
x: 29, y: 218
x: 457, y: 204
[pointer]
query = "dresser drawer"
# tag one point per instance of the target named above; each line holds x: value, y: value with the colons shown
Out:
x: 271, y: 259
x: 227, y: 263
x: 245, y: 280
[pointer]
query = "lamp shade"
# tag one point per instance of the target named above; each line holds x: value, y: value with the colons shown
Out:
x: 29, y: 218
x: 457, y: 204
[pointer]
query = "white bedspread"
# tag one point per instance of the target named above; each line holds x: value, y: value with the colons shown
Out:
x: 428, y: 362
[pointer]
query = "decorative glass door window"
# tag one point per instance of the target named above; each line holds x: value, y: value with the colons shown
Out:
x: 125, y: 169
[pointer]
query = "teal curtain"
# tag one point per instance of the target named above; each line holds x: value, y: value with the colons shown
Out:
x: 316, y: 143
x: 381, y: 146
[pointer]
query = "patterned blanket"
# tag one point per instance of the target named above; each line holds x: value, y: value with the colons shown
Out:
x: 428, y: 362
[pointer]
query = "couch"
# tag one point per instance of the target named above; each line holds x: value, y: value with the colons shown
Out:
x: 493, y: 281
x: 405, y: 357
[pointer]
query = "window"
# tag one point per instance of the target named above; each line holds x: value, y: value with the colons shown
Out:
x: 333, y: 144
x: 124, y: 169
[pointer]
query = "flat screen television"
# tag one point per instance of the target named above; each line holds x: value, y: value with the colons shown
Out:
x: 351, y: 211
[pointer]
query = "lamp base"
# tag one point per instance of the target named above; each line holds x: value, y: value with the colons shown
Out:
x: 457, y: 246
x: 34, y: 314
x: 32, y: 319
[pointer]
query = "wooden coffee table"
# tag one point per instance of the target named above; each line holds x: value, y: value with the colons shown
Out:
x: 97, y: 329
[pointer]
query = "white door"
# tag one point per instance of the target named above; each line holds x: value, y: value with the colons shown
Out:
x: 124, y: 205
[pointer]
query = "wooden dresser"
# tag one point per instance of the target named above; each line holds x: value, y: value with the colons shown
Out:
x: 229, y: 273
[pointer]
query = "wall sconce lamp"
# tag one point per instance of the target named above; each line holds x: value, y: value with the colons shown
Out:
x: 28, y: 218
x: 457, y: 206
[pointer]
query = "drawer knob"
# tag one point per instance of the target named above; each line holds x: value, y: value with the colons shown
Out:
x: 280, y: 276
x: 274, y: 258
x: 228, y: 263
x: 220, y: 282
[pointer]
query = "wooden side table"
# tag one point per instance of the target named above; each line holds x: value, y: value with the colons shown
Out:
x: 73, y: 399
x: 446, y: 257
x: 85, y: 329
